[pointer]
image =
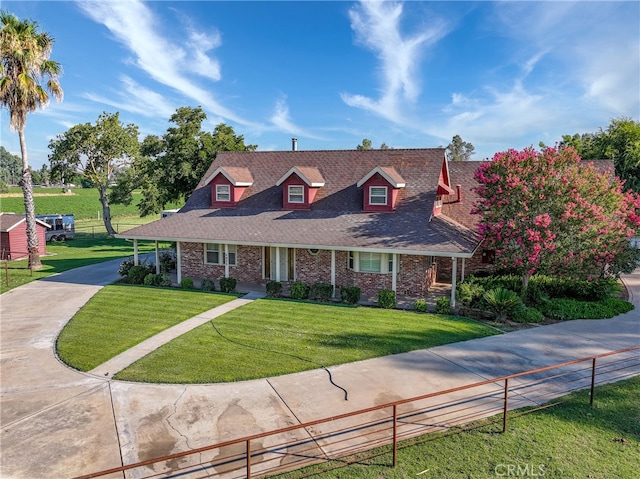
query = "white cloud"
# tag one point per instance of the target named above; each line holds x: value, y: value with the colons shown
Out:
x: 281, y: 120
x: 377, y: 27
x: 134, y: 25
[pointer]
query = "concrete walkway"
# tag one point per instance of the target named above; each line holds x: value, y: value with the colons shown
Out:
x: 57, y: 422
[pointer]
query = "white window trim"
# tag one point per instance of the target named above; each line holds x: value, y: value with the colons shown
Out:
x: 227, y: 194
x: 301, y: 194
x: 386, y: 263
x: 385, y: 196
x: 224, y: 251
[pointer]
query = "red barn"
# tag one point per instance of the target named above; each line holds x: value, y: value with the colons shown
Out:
x: 13, y: 236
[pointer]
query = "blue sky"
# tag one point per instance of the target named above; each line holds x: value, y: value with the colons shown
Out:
x: 409, y: 74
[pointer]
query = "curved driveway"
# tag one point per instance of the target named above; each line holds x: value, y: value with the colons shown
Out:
x: 57, y: 422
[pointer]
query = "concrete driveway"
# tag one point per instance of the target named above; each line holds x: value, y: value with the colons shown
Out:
x: 57, y: 422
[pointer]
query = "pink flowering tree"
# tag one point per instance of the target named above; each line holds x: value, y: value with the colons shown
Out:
x: 548, y: 212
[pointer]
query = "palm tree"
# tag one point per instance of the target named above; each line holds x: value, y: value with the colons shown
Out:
x: 24, y: 69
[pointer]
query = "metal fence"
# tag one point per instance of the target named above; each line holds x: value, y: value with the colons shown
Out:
x: 336, y: 440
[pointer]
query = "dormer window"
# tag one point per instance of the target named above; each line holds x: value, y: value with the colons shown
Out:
x: 378, y: 195
x: 381, y: 186
x: 223, y: 193
x: 296, y: 194
x: 299, y: 187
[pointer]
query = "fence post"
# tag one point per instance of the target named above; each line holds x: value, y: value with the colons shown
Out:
x: 506, y: 403
x: 248, y: 458
x: 593, y: 380
x: 395, y: 434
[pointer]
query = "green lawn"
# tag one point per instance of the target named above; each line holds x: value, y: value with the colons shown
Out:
x: 118, y: 317
x: 569, y: 441
x: 273, y: 337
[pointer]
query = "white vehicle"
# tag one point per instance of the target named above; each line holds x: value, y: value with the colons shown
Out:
x: 62, y: 227
x: 166, y: 213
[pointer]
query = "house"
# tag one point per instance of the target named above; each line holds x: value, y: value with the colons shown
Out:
x: 13, y: 236
x: 376, y: 219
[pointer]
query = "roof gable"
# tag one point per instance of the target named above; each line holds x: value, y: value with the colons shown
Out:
x: 236, y: 176
x: 389, y: 173
x: 8, y: 221
x: 309, y: 174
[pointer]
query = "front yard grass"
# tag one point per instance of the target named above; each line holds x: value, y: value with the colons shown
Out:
x: 571, y: 440
x: 271, y: 337
x: 118, y: 317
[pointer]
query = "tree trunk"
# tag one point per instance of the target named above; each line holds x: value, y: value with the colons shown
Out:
x: 29, y: 208
x: 106, y: 210
x: 525, y: 284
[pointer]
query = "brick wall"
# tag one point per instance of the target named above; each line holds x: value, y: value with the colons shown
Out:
x: 248, y: 269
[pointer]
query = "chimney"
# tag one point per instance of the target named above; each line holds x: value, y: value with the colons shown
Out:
x: 459, y: 190
x: 294, y: 144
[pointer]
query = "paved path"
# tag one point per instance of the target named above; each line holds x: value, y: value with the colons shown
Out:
x: 57, y: 422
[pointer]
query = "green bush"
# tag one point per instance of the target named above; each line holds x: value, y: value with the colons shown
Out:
x: 386, y: 299
x: 274, y: 289
x: 137, y: 274
x: 207, y: 285
x: 299, y: 290
x: 469, y: 294
x: 443, y: 306
x: 4, y: 188
x: 420, y: 306
x: 167, y: 261
x: 228, y: 285
x: 563, y: 309
x: 125, y: 266
x: 186, y: 283
x: 525, y: 314
x: 165, y: 280
x: 501, y: 302
x: 350, y: 294
x: 321, y: 291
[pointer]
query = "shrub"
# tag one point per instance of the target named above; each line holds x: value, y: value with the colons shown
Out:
x: 299, y: 290
x: 165, y: 280
x: 125, y: 266
x: 149, y: 279
x: 321, y: 291
x: 386, y: 299
x: 186, y: 283
x: 227, y: 285
x: 350, y: 294
x: 501, y: 302
x: 563, y: 309
x: 525, y: 314
x: 207, y: 285
x: 137, y: 274
x: 4, y: 188
x: 443, y: 306
x: 420, y: 306
x: 274, y: 289
x: 167, y: 261
x: 469, y: 294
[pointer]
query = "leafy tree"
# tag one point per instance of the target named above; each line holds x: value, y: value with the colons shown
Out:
x: 170, y: 168
x: 97, y: 152
x: 366, y: 144
x: 45, y: 175
x: 546, y: 212
x: 25, y: 66
x: 460, y: 150
x: 10, y: 167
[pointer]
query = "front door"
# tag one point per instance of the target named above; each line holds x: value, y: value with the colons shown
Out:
x: 278, y: 263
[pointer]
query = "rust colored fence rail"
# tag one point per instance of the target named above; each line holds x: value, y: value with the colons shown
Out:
x: 337, y: 437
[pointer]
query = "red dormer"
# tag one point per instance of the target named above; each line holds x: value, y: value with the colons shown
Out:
x: 299, y: 187
x: 227, y: 185
x: 380, y: 187
x: 444, y: 188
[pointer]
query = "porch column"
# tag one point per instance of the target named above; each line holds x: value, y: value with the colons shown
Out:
x: 178, y: 265
x: 454, y: 278
x: 136, y: 261
x: 462, y: 272
x: 277, y: 264
x: 226, y: 260
x: 394, y: 272
x: 333, y: 271
x: 157, y: 259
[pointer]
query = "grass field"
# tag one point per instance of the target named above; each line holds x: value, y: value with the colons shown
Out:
x: 272, y: 337
x: 84, y: 203
x: 569, y: 441
x: 103, y: 329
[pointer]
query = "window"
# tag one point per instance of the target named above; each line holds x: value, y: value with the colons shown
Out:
x: 296, y: 194
x: 223, y: 193
x: 390, y: 263
x: 214, y: 254
x: 351, y: 260
x: 370, y: 262
x: 378, y: 195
